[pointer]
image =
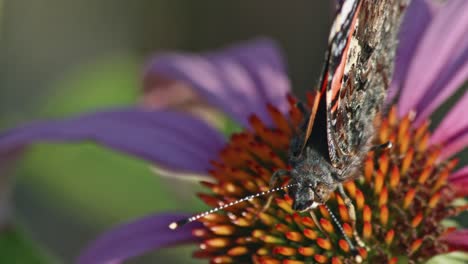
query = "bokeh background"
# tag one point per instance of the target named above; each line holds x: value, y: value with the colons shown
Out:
x: 60, y: 57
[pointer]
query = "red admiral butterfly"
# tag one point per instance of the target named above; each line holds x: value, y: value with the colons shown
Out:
x: 337, y: 130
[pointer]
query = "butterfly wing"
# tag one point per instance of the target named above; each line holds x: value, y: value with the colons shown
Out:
x: 338, y: 92
x: 354, y: 81
x: 326, y: 100
x: 356, y: 84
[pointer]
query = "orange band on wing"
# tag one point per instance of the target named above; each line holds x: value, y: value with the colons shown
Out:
x: 338, y: 76
x: 313, y: 112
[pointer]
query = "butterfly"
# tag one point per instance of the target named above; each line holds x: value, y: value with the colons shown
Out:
x: 337, y: 130
x: 325, y: 151
x: 335, y: 134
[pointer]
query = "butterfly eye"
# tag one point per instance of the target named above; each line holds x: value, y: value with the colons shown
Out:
x: 322, y: 192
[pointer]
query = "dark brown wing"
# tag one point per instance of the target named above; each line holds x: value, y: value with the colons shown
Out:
x: 359, y: 66
x: 338, y: 94
x: 340, y: 35
x: 315, y: 135
x: 358, y: 63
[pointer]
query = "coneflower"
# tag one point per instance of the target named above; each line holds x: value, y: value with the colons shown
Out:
x: 401, y: 198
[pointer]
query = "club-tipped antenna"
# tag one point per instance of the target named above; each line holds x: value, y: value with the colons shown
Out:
x: 177, y: 224
x: 350, y: 243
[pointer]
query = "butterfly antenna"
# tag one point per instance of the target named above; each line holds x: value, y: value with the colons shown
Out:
x: 177, y: 224
x: 350, y: 243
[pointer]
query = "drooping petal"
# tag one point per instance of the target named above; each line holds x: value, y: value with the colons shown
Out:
x: 453, y: 130
x: 457, y: 240
x: 136, y: 238
x: 417, y: 18
x: 459, y: 181
x: 240, y: 80
x: 171, y: 139
x: 162, y: 93
x: 440, y: 59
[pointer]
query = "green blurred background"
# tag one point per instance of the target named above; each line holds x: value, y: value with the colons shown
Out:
x: 60, y: 57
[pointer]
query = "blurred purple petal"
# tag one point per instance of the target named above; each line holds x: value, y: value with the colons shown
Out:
x: 417, y: 18
x: 440, y: 59
x: 163, y: 93
x: 459, y: 181
x: 457, y: 240
x: 136, y: 238
x: 453, y: 77
x: 459, y: 175
x: 171, y: 139
x: 453, y: 130
x: 239, y: 80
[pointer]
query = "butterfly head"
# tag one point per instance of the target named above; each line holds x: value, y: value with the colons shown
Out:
x: 314, y: 181
x: 310, y: 194
x: 303, y: 197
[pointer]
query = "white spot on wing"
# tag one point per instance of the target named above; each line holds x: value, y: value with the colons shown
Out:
x: 340, y: 18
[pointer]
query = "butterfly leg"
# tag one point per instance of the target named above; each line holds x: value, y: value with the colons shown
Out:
x: 275, y: 177
x: 352, y: 214
x: 273, y: 181
x: 382, y: 147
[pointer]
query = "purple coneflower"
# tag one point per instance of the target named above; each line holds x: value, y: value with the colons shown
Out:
x: 402, y: 197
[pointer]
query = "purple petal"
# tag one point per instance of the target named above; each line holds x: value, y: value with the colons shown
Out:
x: 459, y: 181
x: 136, y: 238
x: 417, y: 18
x: 240, y: 80
x: 453, y: 77
x: 433, y: 76
x: 457, y: 240
x: 452, y: 132
x: 171, y: 139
